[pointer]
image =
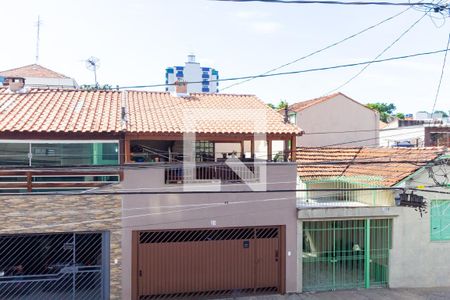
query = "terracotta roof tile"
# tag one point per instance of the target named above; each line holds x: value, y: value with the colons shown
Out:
x: 385, y: 166
x: 305, y: 104
x: 148, y: 112
x: 33, y: 70
x: 299, y: 106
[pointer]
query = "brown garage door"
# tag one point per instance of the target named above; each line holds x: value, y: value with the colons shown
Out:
x: 206, y: 262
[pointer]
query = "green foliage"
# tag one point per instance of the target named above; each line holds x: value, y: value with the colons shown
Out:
x: 400, y: 116
x: 385, y: 110
x: 282, y: 104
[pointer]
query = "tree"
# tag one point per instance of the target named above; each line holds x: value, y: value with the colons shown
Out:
x: 444, y: 114
x: 400, y: 116
x: 282, y: 104
x: 385, y: 110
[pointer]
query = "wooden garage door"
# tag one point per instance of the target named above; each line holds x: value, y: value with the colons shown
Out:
x: 206, y: 262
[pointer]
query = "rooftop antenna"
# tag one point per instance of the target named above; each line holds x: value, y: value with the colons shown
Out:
x: 38, y: 25
x: 92, y: 64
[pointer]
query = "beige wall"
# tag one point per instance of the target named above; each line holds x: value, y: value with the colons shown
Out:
x: 192, y: 211
x: 337, y: 114
x: 46, y: 214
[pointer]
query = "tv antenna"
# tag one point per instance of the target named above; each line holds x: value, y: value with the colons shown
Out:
x: 92, y: 64
x: 38, y: 25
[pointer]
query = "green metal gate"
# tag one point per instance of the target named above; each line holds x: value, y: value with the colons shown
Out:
x: 335, y: 256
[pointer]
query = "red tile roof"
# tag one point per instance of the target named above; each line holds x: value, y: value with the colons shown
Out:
x: 33, y: 70
x: 385, y: 166
x: 147, y: 112
x: 299, y: 106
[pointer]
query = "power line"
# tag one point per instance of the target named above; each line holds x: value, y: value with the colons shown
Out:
x: 381, y: 53
x: 140, y: 192
x: 321, y: 49
x: 365, y: 140
x: 360, y: 3
x: 407, y: 56
x: 394, y: 58
x: 440, y: 78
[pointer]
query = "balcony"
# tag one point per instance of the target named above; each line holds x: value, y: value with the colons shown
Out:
x: 344, y: 197
x: 39, y: 180
x: 214, y: 173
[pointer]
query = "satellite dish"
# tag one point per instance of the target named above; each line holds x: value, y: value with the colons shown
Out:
x: 92, y: 64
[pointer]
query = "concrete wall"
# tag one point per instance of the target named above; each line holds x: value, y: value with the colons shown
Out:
x: 335, y: 115
x: 142, y: 212
x: 47, y: 214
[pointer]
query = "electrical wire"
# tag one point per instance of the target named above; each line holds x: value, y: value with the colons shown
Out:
x: 440, y: 78
x: 380, y: 54
x: 182, y: 211
x: 319, y: 69
x: 329, y: 2
x: 321, y: 49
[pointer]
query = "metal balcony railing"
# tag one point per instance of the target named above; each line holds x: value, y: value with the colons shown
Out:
x: 217, y: 172
x: 44, y: 180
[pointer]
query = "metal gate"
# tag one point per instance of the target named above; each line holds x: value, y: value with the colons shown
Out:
x: 208, y: 262
x: 54, y: 266
x: 335, y: 254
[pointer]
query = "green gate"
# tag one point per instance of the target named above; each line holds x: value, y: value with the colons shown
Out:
x: 335, y: 256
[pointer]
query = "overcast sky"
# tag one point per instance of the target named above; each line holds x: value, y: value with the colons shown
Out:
x: 136, y: 40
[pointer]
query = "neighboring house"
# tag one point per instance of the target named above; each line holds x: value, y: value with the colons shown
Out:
x: 360, y: 238
x: 37, y: 76
x: 335, y: 120
x: 137, y: 244
x: 415, y: 133
x: 437, y: 135
x: 204, y: 79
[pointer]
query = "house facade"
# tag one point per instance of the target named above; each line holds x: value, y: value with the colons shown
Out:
x: 37, y: 76
x: 360, y: 238
x: 97, y: 184
x: 335, y: 120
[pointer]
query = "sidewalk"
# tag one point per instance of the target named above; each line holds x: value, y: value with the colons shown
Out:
x: 369, y: 294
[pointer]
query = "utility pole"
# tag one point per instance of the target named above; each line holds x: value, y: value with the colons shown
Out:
x: 38, y: 25
x: 286, y: 142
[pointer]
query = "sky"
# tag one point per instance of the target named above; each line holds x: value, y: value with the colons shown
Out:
x: 136, y: 40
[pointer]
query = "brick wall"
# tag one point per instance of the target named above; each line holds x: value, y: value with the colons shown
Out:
x: 46, y: 214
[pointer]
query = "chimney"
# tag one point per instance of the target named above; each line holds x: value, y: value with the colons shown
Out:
x: 15, y: 84
x: 181, y: 89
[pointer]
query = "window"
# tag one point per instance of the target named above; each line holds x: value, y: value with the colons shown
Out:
x: 292, y: 118
x: 58, y: 154
x: 440, y: 220
x: 204, y: 151
x: 15, y: 154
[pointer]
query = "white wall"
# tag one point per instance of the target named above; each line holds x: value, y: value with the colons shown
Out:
x: 336, y: 115
x: 413, y: 134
